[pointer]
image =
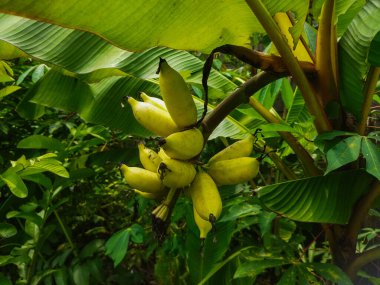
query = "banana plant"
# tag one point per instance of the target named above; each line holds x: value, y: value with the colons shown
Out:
x: 334, y: 66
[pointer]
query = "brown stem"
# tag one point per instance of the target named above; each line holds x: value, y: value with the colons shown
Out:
x: 369, y: 90
x: 362, y: 259
x: 360, y: 211
x: 263, y: 61
x: 305, y: 158
x: 240, y: 96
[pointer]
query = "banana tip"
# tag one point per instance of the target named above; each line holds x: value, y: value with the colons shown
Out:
x: 159, y: 65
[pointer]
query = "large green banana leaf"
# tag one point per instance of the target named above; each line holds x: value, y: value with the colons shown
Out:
x: 137, y: 25
x: 94, y: 58
x: 353, y: 55
x: 323, y: 199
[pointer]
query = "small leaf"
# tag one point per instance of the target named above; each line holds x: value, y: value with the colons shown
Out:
x: 32, y: 217
x: 344, y: 152
x: 4, y: 280
x: 7, y: 230
x: 137, y: 233
x: 332, y: 273
x: 15, y: 183
x: 117, y: 245
x: 81, y: 275
x: 371, y: 153
x: 256, y: 267
x: 240, y: 210
x: 8, y: 90
x: 40, y: 142
x: 288, y: 277
x: 49, y: 164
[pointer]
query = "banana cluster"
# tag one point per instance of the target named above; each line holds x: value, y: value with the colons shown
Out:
x: 173, y: 166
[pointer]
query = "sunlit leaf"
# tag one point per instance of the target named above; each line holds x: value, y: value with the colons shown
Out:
x: 7, y: 230
x: 15, y: 183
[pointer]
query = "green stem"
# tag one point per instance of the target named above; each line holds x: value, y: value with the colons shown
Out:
x: 65, y: 232
x: 362, y: 259
x: 369, y: 90
x: 321, y: 121
x: 325, y: 55
x: 305, y: 158
x: 276, y: 160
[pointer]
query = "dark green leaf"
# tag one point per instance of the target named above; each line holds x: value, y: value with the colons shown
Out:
x: 344, y: 152
x: 254, y: 268
x: 288, y: 277
x: 81, y: 275
x: 332, y: 273
x: 371, y: 153
x: 240, y: 210
x: 374, y: 51
x: 117, y: 245
x: 7, y: 230
x: 323, y: 199
x: 4, y: 280
x: 41, y: 142
x: 32, y: 217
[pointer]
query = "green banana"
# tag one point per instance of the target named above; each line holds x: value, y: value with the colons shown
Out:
x: 203, y: 225
x: 183, y: 145
x: 153, y: 100
x: 233, y: 171
x: 205, y: 196
x: 142, y: 179
x: 238, y: 149
x: 175, y: 173
x: 154, y: 119
x: 148, y: 158
x: 177, y: 96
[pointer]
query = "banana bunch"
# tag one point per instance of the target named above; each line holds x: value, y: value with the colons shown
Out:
x: 174, y: 166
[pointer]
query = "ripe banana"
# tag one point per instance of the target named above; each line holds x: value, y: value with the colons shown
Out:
x: 153, y: 100
x: 206, y: 198
x: 142, y: 179
x: 154, y: 119
x: 238, y: 149
x: 175, y: 173
x: 203, y: 225
x: 148, y: 158
x: 284, y: 23
x: 233, y: 171
x: 177, y: 96
x: 183, y: 145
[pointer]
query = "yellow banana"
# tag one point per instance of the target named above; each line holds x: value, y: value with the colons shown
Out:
x: 154, y: 119
x: 142, y: 179
x: 177, y: 96
x: 205, y: 196
x: 203, y: 225
x: 284, y: 24
x: 148, y: 158
x: 234, y: 171
x: 175, y: 173
x: 238, y: 149
x: 147, y: 195
x: 153, y: 100
x: 183, y: 145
